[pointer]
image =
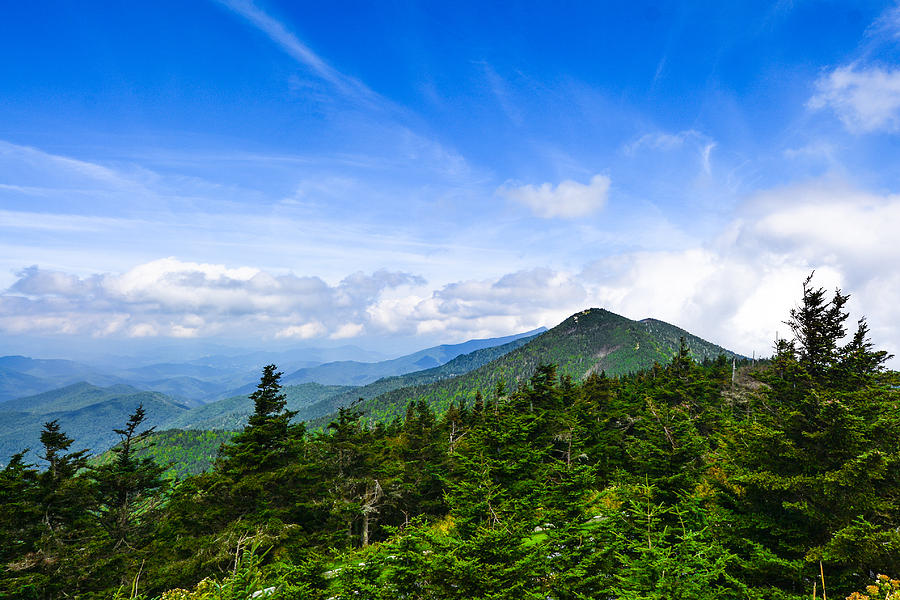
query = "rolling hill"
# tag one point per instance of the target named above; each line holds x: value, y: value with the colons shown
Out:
x: 457, y: 366
x: 85, y: 412
x: 24, y: 376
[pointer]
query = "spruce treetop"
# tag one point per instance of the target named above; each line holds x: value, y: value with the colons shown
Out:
x: 268, y: 398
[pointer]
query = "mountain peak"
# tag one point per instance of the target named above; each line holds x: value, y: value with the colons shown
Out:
x: 590, y: 341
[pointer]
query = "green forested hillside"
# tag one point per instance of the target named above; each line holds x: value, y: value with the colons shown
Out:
x: 232, y: 413
x: 180, y: 452
x: 678, y: 481
x: 360, y: 373
x: 592, y: 341
x: 458, y: 366
x: 88, y: 411
x: 315, y: 401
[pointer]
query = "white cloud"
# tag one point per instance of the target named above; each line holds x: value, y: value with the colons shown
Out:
x: 313, y: 329
x: 887, y: 24
x: 865, y: 99
x: 172, y: 298
x: 348, y: 330
x: 735, y: 290
x: 568, y: 200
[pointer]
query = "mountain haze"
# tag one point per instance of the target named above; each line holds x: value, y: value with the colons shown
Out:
x: 24, y: 376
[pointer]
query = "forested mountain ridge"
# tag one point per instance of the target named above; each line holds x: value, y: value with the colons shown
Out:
x: 90, y: 411
x: 315, y: 401
x: 460, y: 365
x: 232, y: 413
x: 591, y: 341
x: 362, y: 373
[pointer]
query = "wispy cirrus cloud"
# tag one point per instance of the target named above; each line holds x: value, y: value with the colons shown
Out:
x: 887, y: 24
x: 500, y: 89
x: 278, y: 32
x: 661, y: 140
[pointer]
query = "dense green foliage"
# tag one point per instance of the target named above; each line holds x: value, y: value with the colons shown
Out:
x: 181, y: 452
x: 685, y: 480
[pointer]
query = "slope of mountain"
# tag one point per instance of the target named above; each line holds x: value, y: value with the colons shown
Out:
x: 73, y: 397
x: 14, y: 384
x: 180, y: 452
x: 195, y: 381
x: 85, y: 412
x: 593, y: 340
x: 457, y: 366
x: 232, y: 413
x: 362, y: 373
x: 22, y: 376
x: 190, y: 388
x: 314, y: 400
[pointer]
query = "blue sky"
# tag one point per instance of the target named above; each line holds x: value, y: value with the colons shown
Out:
x: 396, y: 174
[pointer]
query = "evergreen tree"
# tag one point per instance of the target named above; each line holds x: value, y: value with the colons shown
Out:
x: 61, y: 465
x: 812, y: 473
x: 421, y: 453
x: 20, y: 526
x: 356, y: 486
x: 63, y: 501
x: 818, y: 327
x: 129, y: 488
x: 269, y: 439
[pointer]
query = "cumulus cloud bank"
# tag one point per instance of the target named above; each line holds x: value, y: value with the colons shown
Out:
x: 168, y: 297
x: 735, y: 290
x: 568, y: 200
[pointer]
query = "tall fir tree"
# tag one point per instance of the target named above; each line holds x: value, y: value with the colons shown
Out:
x: 269, y: 440
x: 813, y: 471
x: 129, y: 489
